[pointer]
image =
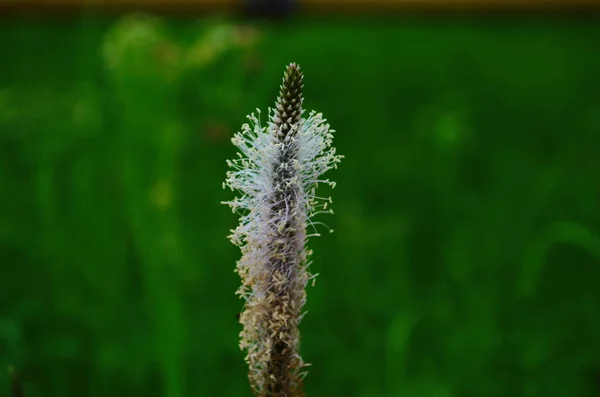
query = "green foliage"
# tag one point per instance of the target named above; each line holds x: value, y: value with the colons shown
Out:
x: 466, y: 254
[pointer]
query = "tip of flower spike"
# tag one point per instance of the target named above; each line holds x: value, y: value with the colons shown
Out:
x: 293, y: 66
x: 288, y: 107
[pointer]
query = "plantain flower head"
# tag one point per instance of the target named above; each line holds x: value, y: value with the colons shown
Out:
x: 278, y: 167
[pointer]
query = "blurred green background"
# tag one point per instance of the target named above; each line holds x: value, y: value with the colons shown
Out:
x: 466, y: 255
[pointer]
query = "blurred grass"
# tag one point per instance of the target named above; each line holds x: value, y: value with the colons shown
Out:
x: 465, y: 257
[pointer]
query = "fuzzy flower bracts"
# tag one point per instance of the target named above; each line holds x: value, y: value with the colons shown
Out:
x: 278, y: 168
